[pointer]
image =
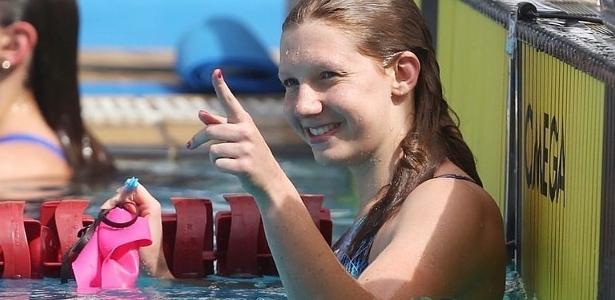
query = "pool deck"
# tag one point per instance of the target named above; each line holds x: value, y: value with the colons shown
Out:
x: 130, y: 118
x: 163, y: 121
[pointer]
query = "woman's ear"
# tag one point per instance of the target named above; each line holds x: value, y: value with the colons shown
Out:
x: 406, y: 69
x: 17, y: 43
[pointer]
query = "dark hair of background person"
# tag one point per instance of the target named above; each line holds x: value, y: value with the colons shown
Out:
x: 53, y: 79
x: 382, y: 29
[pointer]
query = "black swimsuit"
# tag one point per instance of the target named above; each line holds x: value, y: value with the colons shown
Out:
x: 356, y: 264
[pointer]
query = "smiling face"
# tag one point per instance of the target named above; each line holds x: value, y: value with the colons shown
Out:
x: 338, y: 100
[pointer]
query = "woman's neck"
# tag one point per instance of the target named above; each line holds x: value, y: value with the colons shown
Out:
x: 18, y: 110
x: 376, y: 172
x: 372, y: 175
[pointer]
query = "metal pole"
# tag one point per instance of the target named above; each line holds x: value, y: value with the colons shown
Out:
x: 512, y: 213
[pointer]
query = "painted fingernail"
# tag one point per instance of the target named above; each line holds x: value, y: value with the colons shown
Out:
x: 131, y: 184
x: 219, y: 74
x: 204, y: 116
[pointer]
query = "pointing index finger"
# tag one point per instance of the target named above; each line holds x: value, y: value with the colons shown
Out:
x: 234, y: 110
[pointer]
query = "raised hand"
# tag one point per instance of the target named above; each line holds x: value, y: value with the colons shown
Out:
x: 145, y: 205
x: 236, y: 146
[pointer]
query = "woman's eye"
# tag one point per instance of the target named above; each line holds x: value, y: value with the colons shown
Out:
x: 288, y: 83
x: 327, y: 75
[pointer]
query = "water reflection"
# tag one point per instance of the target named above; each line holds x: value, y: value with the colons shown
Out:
x: 211, y: 287
x: 33, y: 189
x: 191, y: 177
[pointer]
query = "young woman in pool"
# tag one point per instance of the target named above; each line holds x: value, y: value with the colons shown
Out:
x: 42, y: 135
x: 363, y: 90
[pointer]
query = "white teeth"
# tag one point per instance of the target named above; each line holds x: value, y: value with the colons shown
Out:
x: 316, y: 131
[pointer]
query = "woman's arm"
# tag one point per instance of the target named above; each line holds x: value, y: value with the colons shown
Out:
x: 307, y: 266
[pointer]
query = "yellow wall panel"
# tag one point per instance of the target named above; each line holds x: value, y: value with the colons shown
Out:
x: 562, y: 136
x: 565, y: 240
x: 474, y: 77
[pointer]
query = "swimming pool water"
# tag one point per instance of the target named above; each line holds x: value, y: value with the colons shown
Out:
x: 195, y: 177
x: 213, y: 287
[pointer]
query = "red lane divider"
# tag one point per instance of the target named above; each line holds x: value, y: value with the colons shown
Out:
x: 33, y: 249
x: 19, y: 242
x: 242, y: 248
x: 237, y: 243
x: 61, y: 220
x: 188, y: 238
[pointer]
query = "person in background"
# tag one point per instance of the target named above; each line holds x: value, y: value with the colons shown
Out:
x: 363, y: 90
x: 42, y: 135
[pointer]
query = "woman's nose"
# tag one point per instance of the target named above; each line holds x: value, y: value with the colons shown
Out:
x: 308, y: 102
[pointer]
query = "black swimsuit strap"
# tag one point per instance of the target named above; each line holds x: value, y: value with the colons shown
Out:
x: 456, y: 176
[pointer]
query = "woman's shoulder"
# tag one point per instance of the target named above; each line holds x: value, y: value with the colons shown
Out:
x: 449, y: 187
x: 445, y: 197
x: 30, y: 160
x: 446, y: 224
x: 452, y: 188
x: 453, y: 211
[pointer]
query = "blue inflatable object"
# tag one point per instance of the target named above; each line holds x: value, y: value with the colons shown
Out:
x: 226, y: 44
x: 130, y: 88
